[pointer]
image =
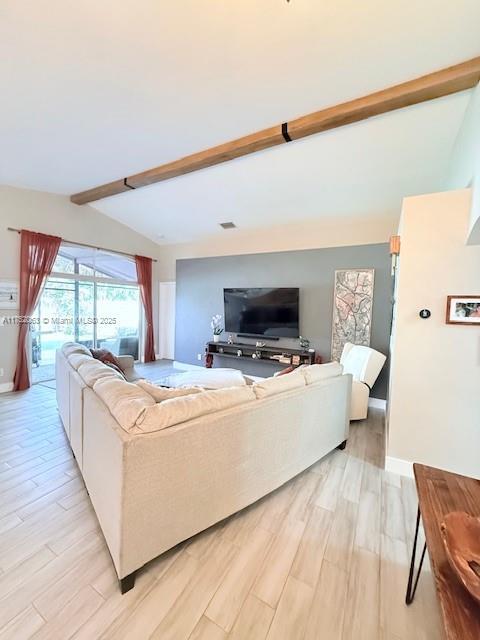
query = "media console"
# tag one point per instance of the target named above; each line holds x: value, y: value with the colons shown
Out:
x: 274, y: 355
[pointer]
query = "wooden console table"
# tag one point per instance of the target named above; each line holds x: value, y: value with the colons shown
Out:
x: 440, y: 492
x: 251, y: 352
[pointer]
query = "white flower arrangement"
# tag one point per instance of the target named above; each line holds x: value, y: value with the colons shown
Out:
x: 216, y: 325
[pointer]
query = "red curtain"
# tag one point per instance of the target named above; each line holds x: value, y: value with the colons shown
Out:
x: 144, y: 275
x: 37, y: 256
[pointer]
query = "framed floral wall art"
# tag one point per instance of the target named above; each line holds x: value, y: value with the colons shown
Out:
x: 352, y: 308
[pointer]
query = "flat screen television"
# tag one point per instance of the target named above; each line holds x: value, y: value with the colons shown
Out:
x: 267, y: 312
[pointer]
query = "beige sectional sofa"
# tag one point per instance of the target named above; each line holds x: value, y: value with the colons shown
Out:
x: 158, y: 471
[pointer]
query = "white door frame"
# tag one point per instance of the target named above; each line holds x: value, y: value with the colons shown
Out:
x: 166, y: 320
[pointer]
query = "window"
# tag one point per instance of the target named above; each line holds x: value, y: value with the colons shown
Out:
x: 91, y: 297
x: 94, y: 262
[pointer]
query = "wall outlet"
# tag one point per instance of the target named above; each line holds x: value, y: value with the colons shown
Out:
x: 199, y: 356
x: 2, y: 373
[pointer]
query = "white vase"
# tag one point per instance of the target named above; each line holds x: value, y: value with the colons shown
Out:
x: 216, y: 337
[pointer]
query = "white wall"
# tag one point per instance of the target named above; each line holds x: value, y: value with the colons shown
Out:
x: 465, y: 166
x: 56, y: 215
x: 326, y: 232
x: 434, y: 413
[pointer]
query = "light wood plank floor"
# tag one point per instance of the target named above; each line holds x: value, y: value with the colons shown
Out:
x: 324, y: 557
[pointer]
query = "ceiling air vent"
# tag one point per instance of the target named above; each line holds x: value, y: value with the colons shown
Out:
x: 228, y: 225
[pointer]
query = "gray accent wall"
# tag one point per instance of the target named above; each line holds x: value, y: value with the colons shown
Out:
x: 200, y: 284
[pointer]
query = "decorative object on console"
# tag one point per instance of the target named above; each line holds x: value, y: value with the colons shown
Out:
x: 208, y: 359
x: 461, y: 537
x: 216, y: 325
x: 463, y: 310
x: 352, y: 309
x: 304, y: 343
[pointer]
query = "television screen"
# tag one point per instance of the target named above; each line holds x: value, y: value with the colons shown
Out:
x: 271, y: 313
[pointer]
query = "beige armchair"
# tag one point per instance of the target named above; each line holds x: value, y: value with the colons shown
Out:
x: 365, y: 365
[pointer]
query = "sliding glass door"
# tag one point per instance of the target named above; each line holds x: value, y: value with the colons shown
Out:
x: 118, y: 318
x: 91, y: 298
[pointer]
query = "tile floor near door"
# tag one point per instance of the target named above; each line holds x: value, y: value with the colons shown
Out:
x: 324, y: 557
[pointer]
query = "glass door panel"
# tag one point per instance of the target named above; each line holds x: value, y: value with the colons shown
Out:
x: 54, y: 325
x: 118, y: 315
x: 65, y: 313
x: 55, y: 313
x: 85, y: 314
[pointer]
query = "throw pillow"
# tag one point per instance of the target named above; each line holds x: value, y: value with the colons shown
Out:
x: 107, y: 357
x: 284, y: 371
x: 115, y: 368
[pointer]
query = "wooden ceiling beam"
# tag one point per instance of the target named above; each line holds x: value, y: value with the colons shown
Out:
x: 433, y: 85
x: 215, y: 155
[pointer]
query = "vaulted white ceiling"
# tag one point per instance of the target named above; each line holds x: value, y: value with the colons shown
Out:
x: 93, y: 91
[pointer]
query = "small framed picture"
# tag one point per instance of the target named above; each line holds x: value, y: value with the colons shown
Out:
x: 9, y: 294
x: 463, y: 310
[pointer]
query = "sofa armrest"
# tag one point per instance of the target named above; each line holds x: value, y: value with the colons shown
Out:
x: 103, y: 470
x: 126, y: 362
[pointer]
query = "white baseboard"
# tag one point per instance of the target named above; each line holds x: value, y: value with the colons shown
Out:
x: 377, y: 403
x: 398, y: 466
x: 5, y: 387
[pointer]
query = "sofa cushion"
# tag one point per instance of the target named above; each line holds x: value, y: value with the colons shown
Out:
x: 92, y: 371
x: 77, y: 359
x: 74, y: 347
x: 316, y: 372
x: 273, y: 386
x: 125, y: 400
x: 178, y: 410
x: 159, y: 394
